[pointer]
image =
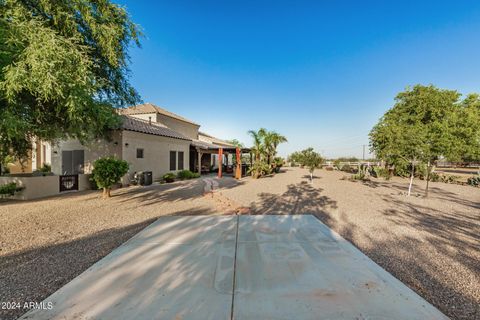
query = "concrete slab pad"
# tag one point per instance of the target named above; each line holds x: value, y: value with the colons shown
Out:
x: 295, y: 267
x: 177, y: 268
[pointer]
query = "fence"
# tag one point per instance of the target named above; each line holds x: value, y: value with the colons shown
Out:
x: 45, y: 186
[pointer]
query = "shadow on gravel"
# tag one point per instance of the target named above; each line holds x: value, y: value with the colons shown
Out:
x: 35, y: 274
x: 404, y: 258
x: 179, y: 191
x: 300, y: 198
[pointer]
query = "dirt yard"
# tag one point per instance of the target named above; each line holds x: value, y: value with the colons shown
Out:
x: 432, y: 245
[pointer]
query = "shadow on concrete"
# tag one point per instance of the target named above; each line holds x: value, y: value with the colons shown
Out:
x: 35, y: 274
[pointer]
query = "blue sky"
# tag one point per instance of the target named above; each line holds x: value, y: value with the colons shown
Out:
x: 319, y: 72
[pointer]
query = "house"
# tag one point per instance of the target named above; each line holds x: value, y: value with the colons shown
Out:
x: 149, y: 139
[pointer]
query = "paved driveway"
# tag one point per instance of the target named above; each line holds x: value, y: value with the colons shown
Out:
x: 246, y: 267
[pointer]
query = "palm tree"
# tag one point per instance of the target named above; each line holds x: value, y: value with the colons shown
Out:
x: 257, y: 147
x: 276, y: 139
x: 265, y: 145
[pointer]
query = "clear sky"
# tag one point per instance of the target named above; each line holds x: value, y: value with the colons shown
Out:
x: 319, y: 72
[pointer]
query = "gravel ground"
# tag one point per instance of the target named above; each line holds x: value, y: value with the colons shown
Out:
x: 432, y: 245
x: 46, y: 243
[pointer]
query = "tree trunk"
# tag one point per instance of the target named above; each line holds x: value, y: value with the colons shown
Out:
x: 411, y: 179
x: 106, y: 193
x: 428, y: 179
x: 311, y: 176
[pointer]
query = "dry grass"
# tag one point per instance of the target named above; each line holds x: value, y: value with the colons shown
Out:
x: 432, y: 244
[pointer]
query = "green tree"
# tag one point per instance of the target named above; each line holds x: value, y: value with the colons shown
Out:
x: 272, y: 140
x: 63, y: 68
x: 258, y: 147
x: 420, y: 128
x: 236, y: 143
x: 310, y: 159
x: 467, y: 133
x: 107, y: 172
x: 264, y: 148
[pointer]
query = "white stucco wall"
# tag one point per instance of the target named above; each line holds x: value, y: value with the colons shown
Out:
x: 156, y: 153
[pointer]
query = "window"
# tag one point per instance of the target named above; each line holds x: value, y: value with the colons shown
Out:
x: 180, y: 160
x: 139, y: 153
x: 173, y: 160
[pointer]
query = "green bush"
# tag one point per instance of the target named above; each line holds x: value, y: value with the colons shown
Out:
x: 380, y: 172
x: 107, y: 172
x: 402, y: 169
x: 348, y: 168
x: 259, y: 168
x: 187, y: 174
x: 474, y: 181
x: 9, y: 189
x: 435, y: 177
x: 449, y: 178
x: 46, y: 168
x: 169, y: 177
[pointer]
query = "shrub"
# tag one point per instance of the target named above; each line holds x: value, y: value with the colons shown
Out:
x: 169, y: 177
x: 360, y: 176
x: 474, y: 181
x: 435, y: 177
x: 449, y: 178
x: 187, y: 174
x: 9, y: 189
x: 380, y: 172
x: 259, y: 168
x: 46, y: 168
x: 107, y: 172
x: 329, y: 168
x: 347, y: 168
x: 277, y: 163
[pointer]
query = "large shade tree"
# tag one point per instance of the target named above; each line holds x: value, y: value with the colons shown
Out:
x: 423, y: 126
x: 63, y: 66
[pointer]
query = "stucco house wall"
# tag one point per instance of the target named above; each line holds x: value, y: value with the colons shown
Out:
x: 189, y: 130
x: 156, y: 153
x: 92, y: 151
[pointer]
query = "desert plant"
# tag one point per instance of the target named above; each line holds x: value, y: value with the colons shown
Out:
x: 277, y: 164
x: 449, y: 178
x: 259, y: 168
x: 107, y: 172
x: 435, y: 177
x: 169, y: 177
x: 187, y: 174
x: 380, y: 172
x: 474, y: 181
x: 46, y: 168
x: 9, y: 189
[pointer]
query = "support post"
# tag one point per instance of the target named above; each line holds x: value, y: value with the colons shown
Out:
x: 220, y: 159
x: 238, y: 171
x: 199, y: 162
